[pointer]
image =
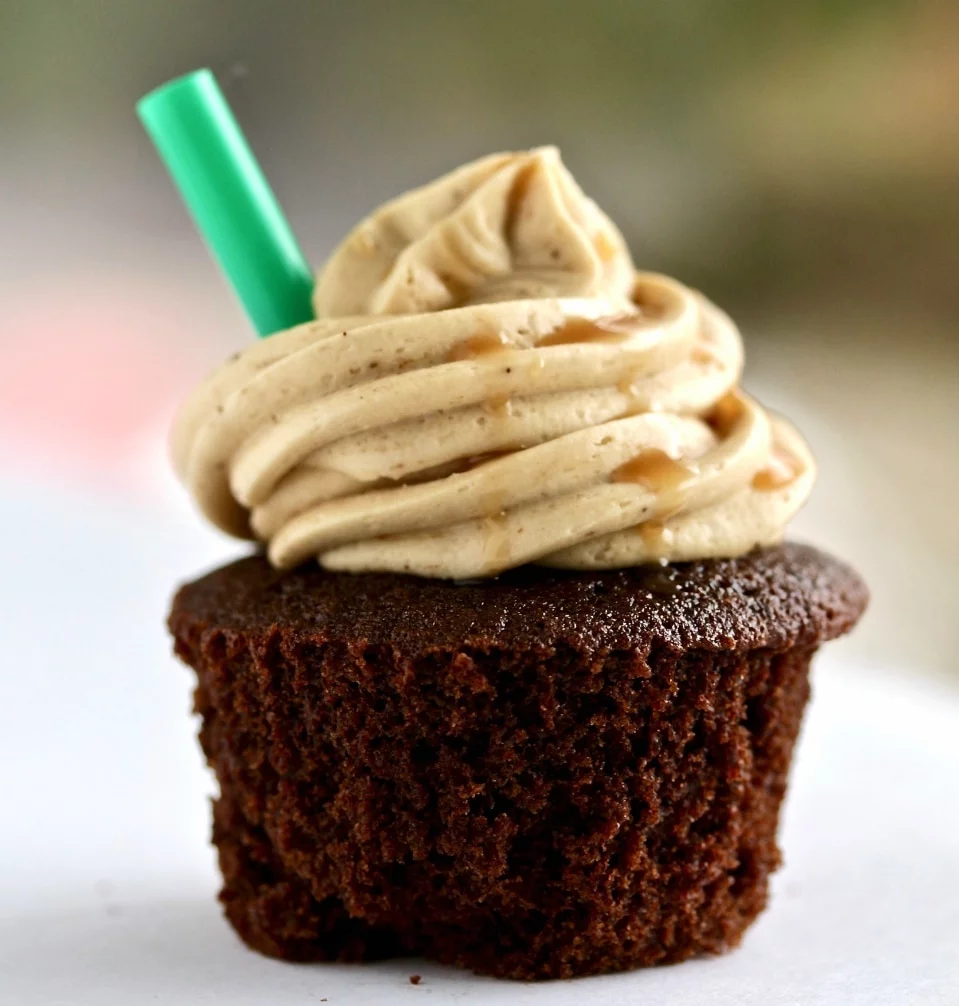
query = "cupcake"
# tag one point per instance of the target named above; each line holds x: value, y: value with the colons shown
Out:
x: 515, y: 681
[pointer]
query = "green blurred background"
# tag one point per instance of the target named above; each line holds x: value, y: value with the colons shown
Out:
x: 797, y: 161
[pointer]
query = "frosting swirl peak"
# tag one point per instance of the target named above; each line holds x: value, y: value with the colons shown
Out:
x: 506, y: 227
x: 489, y: 382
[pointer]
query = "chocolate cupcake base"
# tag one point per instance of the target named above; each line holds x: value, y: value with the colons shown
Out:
x: 545, y: 775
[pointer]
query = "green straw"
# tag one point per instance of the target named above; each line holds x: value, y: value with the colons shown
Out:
x: 230, y: 199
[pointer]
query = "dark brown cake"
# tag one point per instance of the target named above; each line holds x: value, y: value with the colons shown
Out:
x: 543, y: 775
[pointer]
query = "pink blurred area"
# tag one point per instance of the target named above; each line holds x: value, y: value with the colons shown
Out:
x: 95, y: 364
x: 86, y: 383
x: 87, y: 377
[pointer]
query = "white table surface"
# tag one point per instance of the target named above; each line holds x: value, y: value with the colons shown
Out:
x: 107, y: 881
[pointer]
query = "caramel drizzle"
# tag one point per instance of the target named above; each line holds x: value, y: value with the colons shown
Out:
x: 500, y: 406
x: 496, y: 540
x: 615, y: 329
x: 783, y: 469
x: 652, y: 301
x: 481, y: 344
x: 725, y: 414
x: 656, y: 537
x: 654, y: 470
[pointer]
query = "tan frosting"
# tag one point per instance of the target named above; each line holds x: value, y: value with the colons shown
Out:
x: 489, y: 383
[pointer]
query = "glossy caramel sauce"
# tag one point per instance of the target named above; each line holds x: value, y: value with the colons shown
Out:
x: 653, y: 301
x: 500, y: 406
x: 656, y: 536
x: 655, y: 470
x: 614, y: 329
x: 725, y: 414
x: 481, y: 344
x: 782, y: 470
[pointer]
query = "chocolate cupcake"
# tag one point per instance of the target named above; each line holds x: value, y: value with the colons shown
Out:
x: 517, y: 682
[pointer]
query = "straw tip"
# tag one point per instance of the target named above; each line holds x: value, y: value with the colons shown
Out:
x: 179, y: 87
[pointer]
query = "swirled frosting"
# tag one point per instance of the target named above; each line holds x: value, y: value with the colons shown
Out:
x: 489, y: 382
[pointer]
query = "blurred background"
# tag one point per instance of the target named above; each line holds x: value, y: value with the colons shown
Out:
x: 798, y: 162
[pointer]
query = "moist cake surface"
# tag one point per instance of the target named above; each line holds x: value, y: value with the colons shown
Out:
x: 783, y: 596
